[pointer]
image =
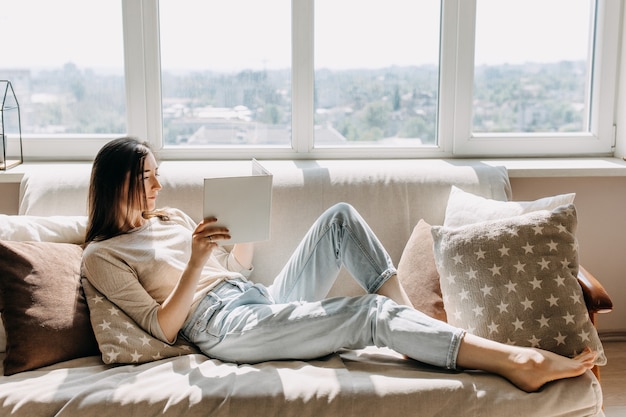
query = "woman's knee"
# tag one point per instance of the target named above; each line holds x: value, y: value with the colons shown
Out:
x: 342, y: 211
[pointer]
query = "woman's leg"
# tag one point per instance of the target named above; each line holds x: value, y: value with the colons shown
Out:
x: 249, y: 328
x: 340, y: 236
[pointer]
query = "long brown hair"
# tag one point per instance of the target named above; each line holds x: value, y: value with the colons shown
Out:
x: 118, y: 163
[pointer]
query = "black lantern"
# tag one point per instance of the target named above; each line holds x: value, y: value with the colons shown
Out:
x: 10, y: 127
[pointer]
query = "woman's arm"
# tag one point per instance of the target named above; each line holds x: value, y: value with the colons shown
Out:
x: 174, y: 310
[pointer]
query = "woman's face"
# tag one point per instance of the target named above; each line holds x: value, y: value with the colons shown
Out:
x: 151, y: 185
x: 151, y: 181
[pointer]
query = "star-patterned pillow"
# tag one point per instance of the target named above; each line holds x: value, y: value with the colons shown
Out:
x: 514, y: 280
x: 120, y: 339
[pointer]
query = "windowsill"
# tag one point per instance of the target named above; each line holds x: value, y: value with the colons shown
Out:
x: 562, y: 167
x: 517, y: 167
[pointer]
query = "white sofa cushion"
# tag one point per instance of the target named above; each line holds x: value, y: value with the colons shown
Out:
x: 60, y: 229
x: 466, y: 208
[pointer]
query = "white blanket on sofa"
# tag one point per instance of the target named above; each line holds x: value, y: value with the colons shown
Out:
x: 371, y: 382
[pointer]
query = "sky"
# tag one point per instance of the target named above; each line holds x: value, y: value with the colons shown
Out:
x: 255, y: 34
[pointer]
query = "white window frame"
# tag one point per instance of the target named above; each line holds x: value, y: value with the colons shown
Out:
x: 455, y: 139
x: 601, y: 138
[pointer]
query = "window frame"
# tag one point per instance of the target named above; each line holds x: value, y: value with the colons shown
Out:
x: 601, y: 138
x: 455, y: 139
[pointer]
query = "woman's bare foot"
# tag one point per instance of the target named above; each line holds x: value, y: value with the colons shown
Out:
x: 528, y: 368
x: 533, y: 368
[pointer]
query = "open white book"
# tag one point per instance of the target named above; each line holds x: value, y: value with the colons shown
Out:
x: 243, y: 204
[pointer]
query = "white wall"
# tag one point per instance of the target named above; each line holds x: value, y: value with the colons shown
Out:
x: 600, y: 203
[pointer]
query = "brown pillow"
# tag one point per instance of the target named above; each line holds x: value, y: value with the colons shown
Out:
x: 43, y: 308
x: 418, y: 274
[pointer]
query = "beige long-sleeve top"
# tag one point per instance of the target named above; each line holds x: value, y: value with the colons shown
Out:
x: 138, y: 270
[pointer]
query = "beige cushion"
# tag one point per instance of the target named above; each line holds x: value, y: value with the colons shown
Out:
x: 418, y: 274
x: 514, y: 281
x: 43, y: 309
x: 120, y: 339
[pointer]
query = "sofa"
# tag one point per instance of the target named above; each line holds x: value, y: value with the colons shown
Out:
x: 67, y: 351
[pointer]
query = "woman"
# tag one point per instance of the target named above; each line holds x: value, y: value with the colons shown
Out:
x: 172, y: 277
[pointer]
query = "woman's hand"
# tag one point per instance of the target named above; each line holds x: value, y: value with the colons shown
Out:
x: 204, y: 239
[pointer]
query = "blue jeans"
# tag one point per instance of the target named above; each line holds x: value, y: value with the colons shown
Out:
x: 243, y: 322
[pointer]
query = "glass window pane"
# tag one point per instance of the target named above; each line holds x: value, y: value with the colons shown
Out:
x: 532, y: 65
x: 226, y: 72
x: 65, y: 59
x: 376, y: 72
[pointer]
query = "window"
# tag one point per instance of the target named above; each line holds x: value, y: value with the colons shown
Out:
x: 68, y: 74
x: 316, y: 78
x: 532, y: 80
x: 226, y: 72
x: 376, y: 72
x: 536, y: 78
